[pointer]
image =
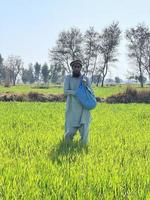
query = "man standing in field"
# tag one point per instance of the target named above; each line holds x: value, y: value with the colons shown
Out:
x: 76, y: 116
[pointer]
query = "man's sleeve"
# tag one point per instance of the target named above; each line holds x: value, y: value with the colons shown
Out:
x: 67, y: 91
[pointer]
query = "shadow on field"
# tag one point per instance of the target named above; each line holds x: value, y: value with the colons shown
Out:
x: 67, y: 152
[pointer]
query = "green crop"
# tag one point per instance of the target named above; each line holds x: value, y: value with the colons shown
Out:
x: 35, y: 163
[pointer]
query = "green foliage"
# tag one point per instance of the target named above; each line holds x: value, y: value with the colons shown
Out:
x: 25, y: 75
x: 31, y: 74
x: 37, y: 70
x: 45, y: 73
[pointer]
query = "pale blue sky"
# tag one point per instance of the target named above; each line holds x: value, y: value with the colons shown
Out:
x: 30, y: 27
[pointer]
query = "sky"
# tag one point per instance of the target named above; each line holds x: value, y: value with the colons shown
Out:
x: 29, y: 28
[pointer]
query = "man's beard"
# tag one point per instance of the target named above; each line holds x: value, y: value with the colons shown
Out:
x: 76, y: 74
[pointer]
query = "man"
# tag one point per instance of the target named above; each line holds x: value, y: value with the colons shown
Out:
x: 76, y: 116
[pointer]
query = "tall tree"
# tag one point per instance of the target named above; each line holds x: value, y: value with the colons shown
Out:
x: 68, y: 48
x: 146, y: 55
x: 94, y: 49
x: 2, y: 72
x: 14, y: 65
x: 45, y: 73
x: 109, y: 41
x: 117, y: 80
x: 55, y: 72
x: 25, y: 76
x: 91, y: 42
x: 136, y: 37
x: 31, y: 78
x: 37, y: 69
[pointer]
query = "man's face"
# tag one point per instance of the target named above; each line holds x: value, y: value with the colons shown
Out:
x: 76, y: 68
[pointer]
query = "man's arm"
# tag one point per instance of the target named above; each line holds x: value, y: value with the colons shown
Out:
x: 67, y: 91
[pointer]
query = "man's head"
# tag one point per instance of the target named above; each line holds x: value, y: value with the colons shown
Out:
x: 76, y: 67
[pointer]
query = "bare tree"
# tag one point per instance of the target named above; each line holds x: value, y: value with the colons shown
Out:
x: 95, y: 50
x: 91, y: 42
x: 137, y: 39
x: 13, y: 68
x: 1, y: 69
x: 109, y: 41
x: 146, y: 55
x: 68, y: 48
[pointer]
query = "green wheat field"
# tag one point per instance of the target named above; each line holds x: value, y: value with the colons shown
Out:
x: 35, y: 163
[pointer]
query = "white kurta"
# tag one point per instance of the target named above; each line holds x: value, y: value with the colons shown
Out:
x: 75, y: 114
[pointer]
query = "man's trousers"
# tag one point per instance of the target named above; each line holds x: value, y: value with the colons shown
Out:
x: 83, y: 130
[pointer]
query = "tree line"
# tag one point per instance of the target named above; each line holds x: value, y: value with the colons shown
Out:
x: 97, y: 50
x: 13, y: 67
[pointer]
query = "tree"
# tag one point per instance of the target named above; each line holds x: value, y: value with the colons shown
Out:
x: 2, y: 72
x: 14, y: 67
x: 31, y: 74
x: 28, y: 74
x: 136, y: 38
x: 96, y: 78
x: 55, y: 73
x: 45, y: 73
x: 95, y: 50
x: 68, y: 48
x: 109, y: 80
x: 91, y: 42
x: 118, y: 80
x: 37, y: 69
x: 146, y: 55
x: 25, y: 76
x: 109, y: 41
x: 137, y: 78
